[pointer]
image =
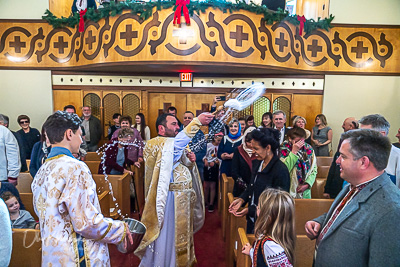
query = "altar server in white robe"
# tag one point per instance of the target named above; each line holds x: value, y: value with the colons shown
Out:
x: 73, y: 230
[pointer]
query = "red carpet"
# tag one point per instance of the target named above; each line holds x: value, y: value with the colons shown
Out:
x: 208, y: 243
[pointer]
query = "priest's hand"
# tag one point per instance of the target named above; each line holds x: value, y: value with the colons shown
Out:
x: 191, y: 156
x: 205, y: 118
x: 235, y: 205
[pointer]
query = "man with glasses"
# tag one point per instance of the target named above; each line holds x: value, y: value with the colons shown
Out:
x: 92, y: 127
x: 28, y: 135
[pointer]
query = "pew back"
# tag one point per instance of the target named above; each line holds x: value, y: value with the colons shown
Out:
x: 93, y: 156
x: 121, y: 190
x: 24, y: 182
x: 318, y: 188
x: 324, y: 161
x: 308, y: 209
x: 227, y: 187
x: 104, y: 200
x: 323, y: 171
x: 93, y: 166
x: 304, y: 251
x: 27, y: 248
x: 27, y: 199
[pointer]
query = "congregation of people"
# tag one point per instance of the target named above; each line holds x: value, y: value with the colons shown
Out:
x: 273, y: 162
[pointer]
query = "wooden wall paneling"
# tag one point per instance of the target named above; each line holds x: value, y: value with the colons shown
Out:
x: 307, y: 106
x: 61, y: 8
x: 144, y: 105
x: 156, y: 103
x: 195, y: 102
x: 61, y: 98
x: 107, y: 118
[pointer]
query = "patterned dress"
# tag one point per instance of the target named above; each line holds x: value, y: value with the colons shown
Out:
x: 73, y: 230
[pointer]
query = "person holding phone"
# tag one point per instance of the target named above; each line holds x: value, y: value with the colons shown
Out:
x: 300, y: 159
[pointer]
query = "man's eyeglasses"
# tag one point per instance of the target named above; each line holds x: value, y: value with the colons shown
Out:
x: 23, y: 122
x: 187, y: 118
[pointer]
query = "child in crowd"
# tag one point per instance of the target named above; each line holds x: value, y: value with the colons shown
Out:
x: 19, y: 218
x: 211, y: 171
x: 274, y: 230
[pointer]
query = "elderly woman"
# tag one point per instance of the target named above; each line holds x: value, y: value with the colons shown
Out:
x: 267, y: 172
x: 228, y: 145
x: 301, y: 122
x: 300, y: 159
x: 321, y: 136
x: 117, y: 156
x: 242, y: 163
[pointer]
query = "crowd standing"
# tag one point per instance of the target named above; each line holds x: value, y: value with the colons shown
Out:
x: 271, y: 164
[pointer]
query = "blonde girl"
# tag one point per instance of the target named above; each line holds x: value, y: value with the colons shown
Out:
x: 274, y: 230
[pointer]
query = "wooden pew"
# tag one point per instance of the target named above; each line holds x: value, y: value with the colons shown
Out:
x: 27, y: 248
x: 93, y: 166
x: 227, y: 187
x: 242, y: 259
x: 121, y: 189
x: 232, y: 236
x: 93, y: 156
x: 24, y: 182
x: 104, y: 200
x: 219, y: 195
x: 138, y: 179
x: 28, y: 162
x: 323, y: 171
x: 304, y: 252
x: 308, y: 209
x: 318, y: 188
x: 324, y: 161
x: 27, y: 199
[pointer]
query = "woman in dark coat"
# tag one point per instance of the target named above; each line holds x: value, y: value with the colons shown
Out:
x: 268, y: 171
x: 242, y: 163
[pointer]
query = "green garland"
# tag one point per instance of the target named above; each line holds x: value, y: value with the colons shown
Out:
x: 145, y: 11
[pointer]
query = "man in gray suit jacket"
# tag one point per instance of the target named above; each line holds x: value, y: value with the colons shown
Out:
x: 363, y: 224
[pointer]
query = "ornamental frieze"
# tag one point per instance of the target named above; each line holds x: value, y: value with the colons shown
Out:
x: 213, y: 37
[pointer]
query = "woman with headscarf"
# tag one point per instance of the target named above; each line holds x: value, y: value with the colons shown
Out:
x: 242, y: 163
x: 228, y: 145
x: 300, y: 159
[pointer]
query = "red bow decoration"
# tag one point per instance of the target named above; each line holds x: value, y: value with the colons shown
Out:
x: 81, y: 20
x: 302, y: 19
x: 181, y: 4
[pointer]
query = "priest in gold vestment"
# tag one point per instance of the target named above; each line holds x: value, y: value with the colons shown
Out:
x: 174, y: 208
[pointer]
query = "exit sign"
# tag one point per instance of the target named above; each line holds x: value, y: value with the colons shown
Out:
x: 186, y: 77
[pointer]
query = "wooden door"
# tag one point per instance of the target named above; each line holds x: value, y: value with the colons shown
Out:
x: 159, y: 103
x: 307, y: 106
x: 61, y: 98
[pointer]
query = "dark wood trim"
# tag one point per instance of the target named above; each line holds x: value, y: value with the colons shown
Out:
x: 295, y: 72
x: 195, y: 75
x: 22, y: 21
x: 295, y: 91
x: 183, y: 90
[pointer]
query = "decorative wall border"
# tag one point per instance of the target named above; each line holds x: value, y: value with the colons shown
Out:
x: 228, y: 38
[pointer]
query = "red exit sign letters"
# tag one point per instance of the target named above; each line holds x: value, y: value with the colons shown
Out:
x: 186, y: 77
